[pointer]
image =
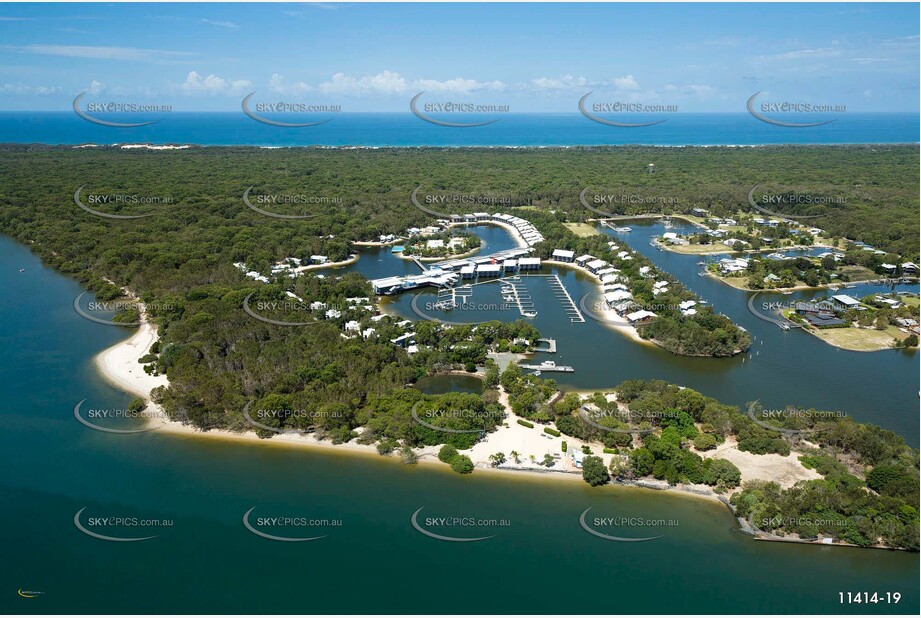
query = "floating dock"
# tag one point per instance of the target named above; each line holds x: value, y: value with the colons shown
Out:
x: 546, y: 368
x: 562, y: 295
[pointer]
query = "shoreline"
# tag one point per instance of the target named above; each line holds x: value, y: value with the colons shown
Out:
x: 118, y: 366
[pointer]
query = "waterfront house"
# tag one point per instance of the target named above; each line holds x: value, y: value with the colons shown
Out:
x: 909, y: 267
x: 844, y: 301
x: 333, y: 314
x: 353, y: 325
x: 319, y: 259
x: 562, y: 255
x: 889, y: 302
x: 728, y: 266
x: 489, y: 270
x: 582, y: 260
x: 617, y: 296
x: 529, y: 263
x: 687, y: 307
x: 641, y: 316
x: 820, y: 315
x: 595, y: 265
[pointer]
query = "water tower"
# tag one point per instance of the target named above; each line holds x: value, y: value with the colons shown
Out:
x: 651, y: 168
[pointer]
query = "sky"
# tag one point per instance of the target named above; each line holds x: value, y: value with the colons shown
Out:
x: 531, y: 58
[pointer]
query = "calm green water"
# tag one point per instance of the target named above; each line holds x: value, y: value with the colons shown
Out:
x: 375, y: 561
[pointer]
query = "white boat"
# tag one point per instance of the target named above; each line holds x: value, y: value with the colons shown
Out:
x: 529, y: 314
x: 622, y: 229
x: 549, y: 364
x: 508, y: 299
x: 784, y: 326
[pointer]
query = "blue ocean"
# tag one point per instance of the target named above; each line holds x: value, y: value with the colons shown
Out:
x: 405, y: 129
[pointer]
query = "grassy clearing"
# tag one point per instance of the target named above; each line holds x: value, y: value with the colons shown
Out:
x: 582, y: 229
x: 858, y: 339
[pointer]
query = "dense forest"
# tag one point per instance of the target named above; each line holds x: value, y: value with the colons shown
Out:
x: 179, y: 259
x: 869, y: 490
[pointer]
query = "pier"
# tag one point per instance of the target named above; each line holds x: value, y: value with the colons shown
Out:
x: 562, y: 295
x: 548, y: 366
x: 551, y: 346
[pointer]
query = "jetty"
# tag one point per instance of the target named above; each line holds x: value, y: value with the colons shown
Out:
x: 548, y: 366
x: 562, y: 295
x: 551, y: 346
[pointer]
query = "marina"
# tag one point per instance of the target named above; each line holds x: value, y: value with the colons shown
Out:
x: 869, y: 386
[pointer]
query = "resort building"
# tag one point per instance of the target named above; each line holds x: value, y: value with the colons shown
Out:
x: 562, y: 255
x: 489, y: 270
x: 529, y: 263
x: 845, y: 302
x: 638, y: 317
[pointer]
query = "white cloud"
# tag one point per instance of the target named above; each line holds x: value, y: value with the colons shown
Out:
x: 103, y: 53
x: 564, y: 82
x: 626, y: 83
x: 390, y: 82
x: 221, y: 24
x: 277, y: 84
x: 801, y: 54
x: 96, y: 87
x: 212, y: 84
x: 20, y: 88
x: 386, y: 82
x: 458, y: 84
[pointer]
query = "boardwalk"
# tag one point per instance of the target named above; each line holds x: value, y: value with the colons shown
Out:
x: 562, y: 295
